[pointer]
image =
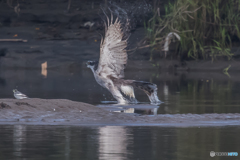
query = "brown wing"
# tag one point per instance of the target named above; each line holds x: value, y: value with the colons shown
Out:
x: 113, y: 56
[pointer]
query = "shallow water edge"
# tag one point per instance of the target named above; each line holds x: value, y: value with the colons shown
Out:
x: 231, y: 123
x: 35, y: 111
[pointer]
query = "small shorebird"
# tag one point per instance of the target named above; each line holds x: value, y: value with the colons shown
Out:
x: 109, y: 70
x: 19, y: 95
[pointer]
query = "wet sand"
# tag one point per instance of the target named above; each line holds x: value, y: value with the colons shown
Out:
x: 36, y: 111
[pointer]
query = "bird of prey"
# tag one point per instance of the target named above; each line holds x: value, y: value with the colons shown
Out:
x: 19, y: 95
x: 109, y: 70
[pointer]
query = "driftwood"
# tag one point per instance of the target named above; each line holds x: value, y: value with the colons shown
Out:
x: 13, y: 40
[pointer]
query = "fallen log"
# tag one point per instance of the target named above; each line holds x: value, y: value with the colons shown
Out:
x: 13, y: 40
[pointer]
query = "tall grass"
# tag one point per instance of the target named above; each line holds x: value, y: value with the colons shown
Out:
x: 206, y: 27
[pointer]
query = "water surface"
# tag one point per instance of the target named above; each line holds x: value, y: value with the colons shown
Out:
x: 115, y: 142
x: 183, y: 92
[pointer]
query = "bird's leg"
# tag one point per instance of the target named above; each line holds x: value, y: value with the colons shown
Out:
x: 117, y: 94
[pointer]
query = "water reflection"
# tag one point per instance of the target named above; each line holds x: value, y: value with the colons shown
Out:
x: 19, y: 139
x: 131, y: 108
x: 112, y: 142
x: 67, y: 143
x: 115, y: 142
x: 180, y: 92
x: 166, y: 93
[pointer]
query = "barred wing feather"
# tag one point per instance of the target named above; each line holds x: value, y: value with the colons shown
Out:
x: 113, y: 56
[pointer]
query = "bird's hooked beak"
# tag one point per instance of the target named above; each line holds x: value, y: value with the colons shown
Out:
x: 88, y: 64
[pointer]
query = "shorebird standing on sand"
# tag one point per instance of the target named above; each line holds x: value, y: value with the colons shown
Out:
x: 109, y: 70
x: 19, y: 95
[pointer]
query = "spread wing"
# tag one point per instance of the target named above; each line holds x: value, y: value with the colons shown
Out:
x: 113, y: 56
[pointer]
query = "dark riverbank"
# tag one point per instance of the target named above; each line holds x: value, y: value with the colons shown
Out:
x: 60, y: 38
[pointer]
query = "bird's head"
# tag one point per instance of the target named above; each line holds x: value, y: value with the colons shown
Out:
x: 15, y: 90
x: 92, y: 64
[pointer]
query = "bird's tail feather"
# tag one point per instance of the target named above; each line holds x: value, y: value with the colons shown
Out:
x: 149, y: 88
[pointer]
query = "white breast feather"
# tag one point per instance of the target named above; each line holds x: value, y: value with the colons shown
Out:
x: 128, y: 90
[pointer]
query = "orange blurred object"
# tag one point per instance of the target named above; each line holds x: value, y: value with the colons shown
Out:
x: 44, y: 69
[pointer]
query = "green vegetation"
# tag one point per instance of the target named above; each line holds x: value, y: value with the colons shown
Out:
x: 207, y: 27
x: 225, y: 71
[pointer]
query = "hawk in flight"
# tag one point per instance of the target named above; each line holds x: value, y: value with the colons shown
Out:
x: 109, y: 70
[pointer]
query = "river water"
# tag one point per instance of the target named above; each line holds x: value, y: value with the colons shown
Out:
x: 181, y: 93
x: 190, y: 92
x: 115, y: 142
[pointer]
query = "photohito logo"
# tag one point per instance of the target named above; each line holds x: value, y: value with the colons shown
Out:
x: 213, y: 154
